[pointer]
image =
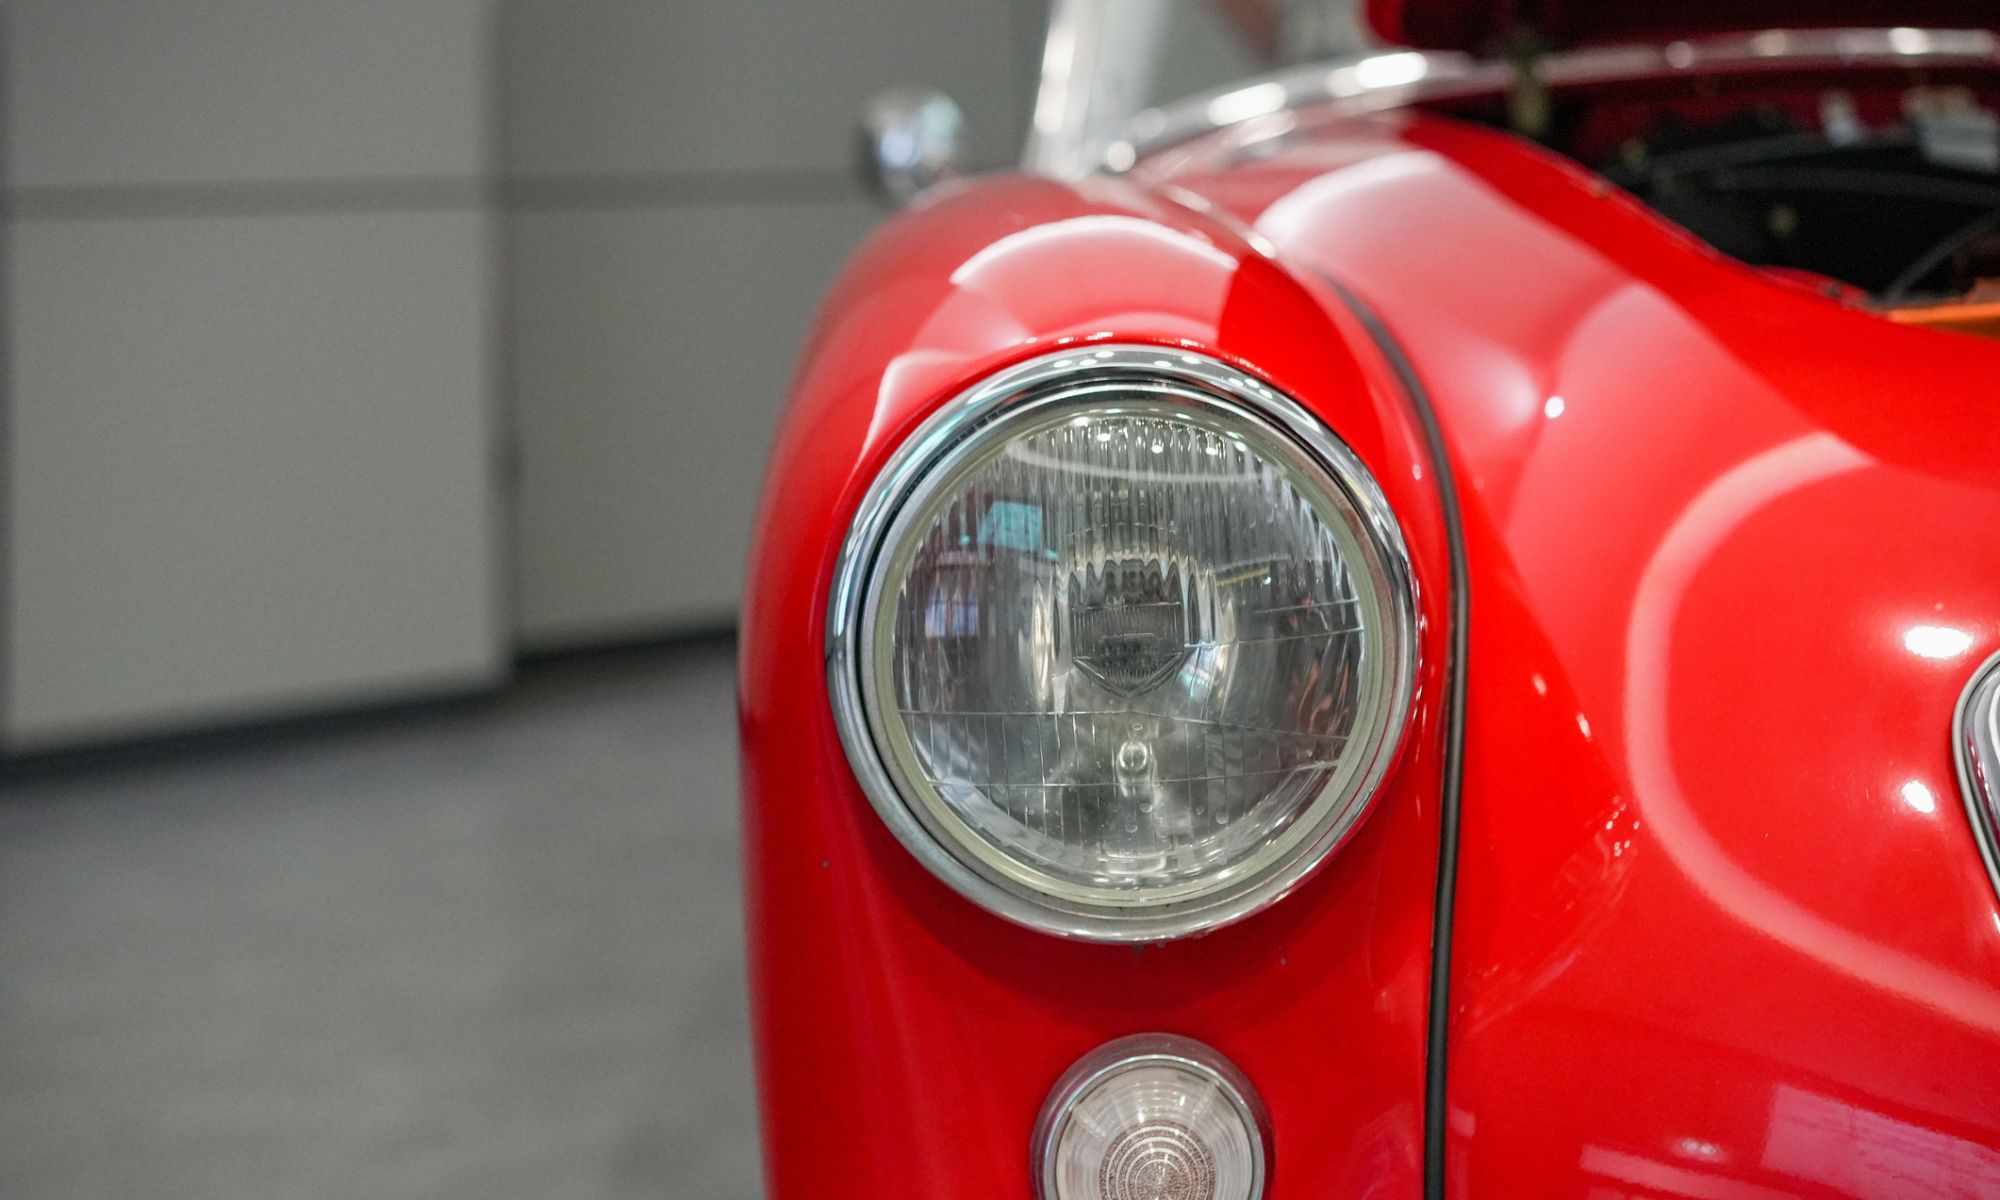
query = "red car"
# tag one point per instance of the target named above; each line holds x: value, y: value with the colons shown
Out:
x: 1423, y: 625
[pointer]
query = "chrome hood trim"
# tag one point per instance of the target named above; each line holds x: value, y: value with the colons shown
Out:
x: 1395, y: 79
x: 1976, y: 744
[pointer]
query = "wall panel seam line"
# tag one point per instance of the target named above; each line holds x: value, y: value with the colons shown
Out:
x: 520, y: 193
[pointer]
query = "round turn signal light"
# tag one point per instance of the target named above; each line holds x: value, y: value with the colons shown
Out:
x: 1152, y: 1117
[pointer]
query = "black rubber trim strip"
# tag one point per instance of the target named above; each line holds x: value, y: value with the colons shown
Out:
x: 1454, y: 750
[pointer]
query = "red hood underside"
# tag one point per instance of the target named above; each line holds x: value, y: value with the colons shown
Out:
x: 1484, y: 25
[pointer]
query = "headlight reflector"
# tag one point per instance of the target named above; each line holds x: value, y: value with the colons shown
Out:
x: 1122, y: 643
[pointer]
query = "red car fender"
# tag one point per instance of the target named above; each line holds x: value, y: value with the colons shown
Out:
x: 1721, y: 927
x: 907, y: 1039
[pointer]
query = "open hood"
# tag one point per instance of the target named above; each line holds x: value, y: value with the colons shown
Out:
x: 1484, y: 25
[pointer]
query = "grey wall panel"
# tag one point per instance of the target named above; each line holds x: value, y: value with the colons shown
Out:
x: 188, y: 91
x: 250, y: 467
x: 705, y: 85
x: 1201, y: 52
x: 687, y: 175
x: 651, y: 352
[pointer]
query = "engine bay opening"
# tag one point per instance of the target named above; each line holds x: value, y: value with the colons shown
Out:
x: 1883, y: 191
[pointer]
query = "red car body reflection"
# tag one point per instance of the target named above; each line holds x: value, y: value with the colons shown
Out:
x: 1732, y: 550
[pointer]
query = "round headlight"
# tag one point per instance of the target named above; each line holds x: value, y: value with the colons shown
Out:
x: 1122, y: 643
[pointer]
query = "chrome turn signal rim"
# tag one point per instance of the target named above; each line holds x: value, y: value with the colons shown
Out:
x: 1976, y: 745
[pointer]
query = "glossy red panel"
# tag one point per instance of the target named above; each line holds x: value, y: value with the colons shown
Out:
x: 906, y: 1039
x: 1722, y: 927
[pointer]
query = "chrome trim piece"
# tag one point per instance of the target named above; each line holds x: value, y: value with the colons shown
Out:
x: 912, y: 139
x: 1395, y: 79
x: 1976, y: 746
x: 1098, y: 61
x: 1444, y: 903
x: 1142, y: 1050
x: 897, y: 494
x: 1365, y: 84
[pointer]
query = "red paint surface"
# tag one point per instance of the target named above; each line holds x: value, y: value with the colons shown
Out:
x: 1722, y: 929
x: 906, y: 1038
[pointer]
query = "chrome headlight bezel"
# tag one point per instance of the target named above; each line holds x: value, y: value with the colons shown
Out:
x: 950, y: 435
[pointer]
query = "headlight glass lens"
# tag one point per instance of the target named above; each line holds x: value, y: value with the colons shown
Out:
x: 1130, y: 645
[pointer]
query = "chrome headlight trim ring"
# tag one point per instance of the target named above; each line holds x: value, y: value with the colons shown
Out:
x: 928, y: 454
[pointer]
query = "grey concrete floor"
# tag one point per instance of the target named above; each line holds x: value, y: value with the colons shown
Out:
x: 488, y: 952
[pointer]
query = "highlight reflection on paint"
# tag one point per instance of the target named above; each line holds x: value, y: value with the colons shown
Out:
x: 1705, y: 525
x: 1936, y: 641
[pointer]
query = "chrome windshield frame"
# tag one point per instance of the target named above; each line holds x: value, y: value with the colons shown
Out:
x: 1082, y: 127
x: 1098, y: 61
